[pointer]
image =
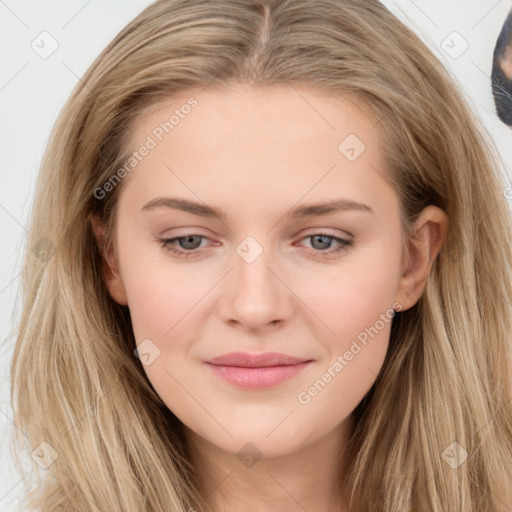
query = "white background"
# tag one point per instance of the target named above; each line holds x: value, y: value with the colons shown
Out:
x: 33, y: 89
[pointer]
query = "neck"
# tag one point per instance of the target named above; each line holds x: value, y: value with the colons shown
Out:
x: 308, y: 478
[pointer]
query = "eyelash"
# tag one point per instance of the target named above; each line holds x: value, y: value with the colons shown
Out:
x: 344, y: 244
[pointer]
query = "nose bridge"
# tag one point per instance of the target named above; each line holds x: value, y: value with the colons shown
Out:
x: 256, y: 297
x: 252, y: 271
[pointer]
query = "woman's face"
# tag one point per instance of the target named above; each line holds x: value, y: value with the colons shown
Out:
x: 239, y: 181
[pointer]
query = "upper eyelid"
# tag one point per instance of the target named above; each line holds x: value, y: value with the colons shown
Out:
x: 319, y: 231
x: 336, y: 232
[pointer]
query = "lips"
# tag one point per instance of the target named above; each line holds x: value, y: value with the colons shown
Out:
x: 256, y: 371
x: 246, y: 360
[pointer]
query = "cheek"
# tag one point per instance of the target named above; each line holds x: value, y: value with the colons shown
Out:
x: 352, y: 296
x: 358, y: 311
x: 355, y: 301
x: 161, y: 292
x: 358, y: 308
x: 360, y: 303
x: 165, y: 305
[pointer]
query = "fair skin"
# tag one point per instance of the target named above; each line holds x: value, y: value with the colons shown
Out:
x: 506, y: 62
x: 256, y: 154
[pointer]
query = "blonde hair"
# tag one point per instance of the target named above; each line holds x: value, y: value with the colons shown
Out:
x: 76, y: 383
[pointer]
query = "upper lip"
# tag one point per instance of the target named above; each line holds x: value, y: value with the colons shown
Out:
x: 246, y: 360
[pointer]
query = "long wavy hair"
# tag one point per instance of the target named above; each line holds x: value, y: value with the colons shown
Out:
x: 434, y: 433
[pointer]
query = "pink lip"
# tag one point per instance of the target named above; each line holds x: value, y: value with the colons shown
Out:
x: 256, y: 371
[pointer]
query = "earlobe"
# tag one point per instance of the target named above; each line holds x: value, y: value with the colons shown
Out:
x: 110, y: 268
x: 430, y: 231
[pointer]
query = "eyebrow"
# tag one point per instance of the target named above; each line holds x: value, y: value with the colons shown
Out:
x: 308, y: 210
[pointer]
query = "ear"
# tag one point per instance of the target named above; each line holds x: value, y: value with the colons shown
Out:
x: 422, y: 248
x: 110, y: 268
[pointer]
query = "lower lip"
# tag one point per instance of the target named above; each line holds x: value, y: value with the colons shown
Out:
x: 257, y: 378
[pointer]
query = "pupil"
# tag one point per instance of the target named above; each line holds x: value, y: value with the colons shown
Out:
x: 326, y: 241
x: 189, y: 239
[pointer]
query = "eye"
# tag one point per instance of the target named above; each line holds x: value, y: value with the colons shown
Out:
x: 322, y: 241
x: 188, y: 245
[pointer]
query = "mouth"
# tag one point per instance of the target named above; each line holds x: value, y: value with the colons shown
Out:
x: 257, y: 371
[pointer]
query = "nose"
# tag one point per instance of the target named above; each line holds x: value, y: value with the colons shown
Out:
x: 255, y: 296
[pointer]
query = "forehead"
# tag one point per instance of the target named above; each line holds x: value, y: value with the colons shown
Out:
x: 278, y: 112
x: 263, y: 142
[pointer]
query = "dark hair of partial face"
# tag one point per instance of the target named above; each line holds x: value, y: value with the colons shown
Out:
x: 501, y: 84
